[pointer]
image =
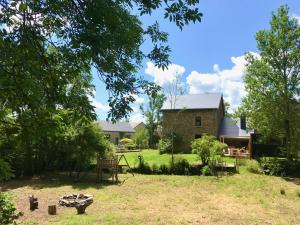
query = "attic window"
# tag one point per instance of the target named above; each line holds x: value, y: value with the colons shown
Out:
x: 198, y: 121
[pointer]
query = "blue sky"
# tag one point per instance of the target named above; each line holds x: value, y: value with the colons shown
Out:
x: 209, y: 55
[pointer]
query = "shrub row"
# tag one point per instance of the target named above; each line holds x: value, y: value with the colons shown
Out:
x: 280, y: 167
x: 180, y: 167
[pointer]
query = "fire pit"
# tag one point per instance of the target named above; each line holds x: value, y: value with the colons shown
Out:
x: 79, y: 201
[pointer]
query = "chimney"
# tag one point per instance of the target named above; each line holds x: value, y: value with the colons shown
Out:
x: 243, y: 124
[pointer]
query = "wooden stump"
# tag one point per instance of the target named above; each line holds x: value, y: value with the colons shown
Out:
x: 81, y: 208
x: 52, y: 209
x: 33, y: 202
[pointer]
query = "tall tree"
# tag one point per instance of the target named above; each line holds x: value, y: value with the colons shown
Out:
x: 172, y: 90
x: 48, y: 50
x: 104, y: 34
x: 152, y: 112
x: 272, y: 82
x: 227, y: 109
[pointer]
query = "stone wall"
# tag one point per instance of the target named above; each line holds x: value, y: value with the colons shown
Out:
x: 183, y: 124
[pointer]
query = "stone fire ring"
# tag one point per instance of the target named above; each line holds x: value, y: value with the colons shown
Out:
x: 79, y: 201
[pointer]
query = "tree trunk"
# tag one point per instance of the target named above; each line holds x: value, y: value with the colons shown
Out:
x: 289, y: 150
x: 172, y: 149
x: 286, y: 119
x: 81, y: 208
x: 33, y: 203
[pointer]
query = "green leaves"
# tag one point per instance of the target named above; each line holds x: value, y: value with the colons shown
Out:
x: 85, y: 34
x: 6, y: 173
x: 7, y: 209
x: 48, y: 50
x: 141, y: 138
x: 155, y: 34
x: 272, y: 82
x: 22, y: 6
x: 181, y: 13
x: 152, y: 112
x: 207, y: 148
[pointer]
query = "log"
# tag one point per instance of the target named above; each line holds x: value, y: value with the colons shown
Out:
x: 33, y: 202
x: 52, y: 209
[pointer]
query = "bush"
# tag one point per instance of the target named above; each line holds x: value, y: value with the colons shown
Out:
x: 89, y: 141
x: 7, y: 209
x: 207, y: 171
x: 164, y: 169
x: 195, y: 170
x: 6, y: 173
x: 180, y: 166
x: 207, y: 148
x: 50, y: 141
x: 271, y: 166
x: 110, y: 151
x: 144, y: 167
x: 280, y: 167
x: 155, y: 169
x: 128, y: 143
x: 253, y: 166
x: 164, y: 146
x: 141, y: 138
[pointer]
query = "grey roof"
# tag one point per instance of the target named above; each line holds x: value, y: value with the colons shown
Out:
x: 195, y: 101
x: 116, y: 127
x: 232, y: 128
x: 135, y: 124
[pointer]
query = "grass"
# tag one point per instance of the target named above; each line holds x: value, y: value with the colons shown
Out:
x: 153, y: 157
x: 243, y: 198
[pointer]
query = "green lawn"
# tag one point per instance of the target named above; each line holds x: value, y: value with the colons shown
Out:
x: 153, y: 157
x: 243, y: 198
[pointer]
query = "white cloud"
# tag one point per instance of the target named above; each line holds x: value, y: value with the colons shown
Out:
x: 227, y: 81
x: 161, y: 77
x: 203, y: 82
x: 135, y: 109
x: 138, y: 99
x: 100, y: 106
x: 137, y: 118
x: 296, y: 17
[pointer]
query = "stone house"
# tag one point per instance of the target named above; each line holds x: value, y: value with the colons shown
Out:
x: 116, y: 131
x: 198, y: 114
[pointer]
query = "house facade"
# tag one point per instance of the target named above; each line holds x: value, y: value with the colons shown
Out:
x: 116, y: 131
x: 195, y: 115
